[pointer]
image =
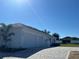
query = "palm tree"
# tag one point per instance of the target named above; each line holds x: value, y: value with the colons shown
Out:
x: 6, y: 34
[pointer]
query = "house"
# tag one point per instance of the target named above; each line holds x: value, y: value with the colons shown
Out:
x: 72, y: 40
x: 28, y: 37
x: 75, y: 41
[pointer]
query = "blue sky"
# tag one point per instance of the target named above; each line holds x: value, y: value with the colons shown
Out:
x: 60, y: 16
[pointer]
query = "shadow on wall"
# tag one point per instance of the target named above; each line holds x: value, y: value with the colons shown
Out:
x: 20, y: 54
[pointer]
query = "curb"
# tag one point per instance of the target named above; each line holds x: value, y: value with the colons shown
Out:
x: 68, y: 55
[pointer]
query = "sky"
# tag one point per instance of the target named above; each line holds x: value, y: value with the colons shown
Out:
x: 57, y: 16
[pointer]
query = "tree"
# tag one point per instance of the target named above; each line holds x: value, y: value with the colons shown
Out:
x: 6, y: 34
x: 56, y: 35
x: 45, y: 31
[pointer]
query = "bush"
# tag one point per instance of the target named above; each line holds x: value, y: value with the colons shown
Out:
x: 55, y: 44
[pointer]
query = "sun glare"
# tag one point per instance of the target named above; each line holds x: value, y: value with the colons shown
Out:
x: 19, y: 2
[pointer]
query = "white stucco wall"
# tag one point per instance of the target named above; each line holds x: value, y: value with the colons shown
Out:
x: 28, y: 38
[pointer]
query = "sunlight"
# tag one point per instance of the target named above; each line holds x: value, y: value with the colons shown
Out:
x: 19, y: 2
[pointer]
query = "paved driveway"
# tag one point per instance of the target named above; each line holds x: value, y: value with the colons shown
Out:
x: 51, y: 53
x: 54, y: 53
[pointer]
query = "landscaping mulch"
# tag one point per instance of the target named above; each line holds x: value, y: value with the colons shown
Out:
x: 74, y: 55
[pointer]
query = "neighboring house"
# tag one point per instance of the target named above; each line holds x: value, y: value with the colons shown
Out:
x: 28, y: 37
x: 75, y: 41
x: 55, y: 40
x: 59, y: 41
x: 70, y: 40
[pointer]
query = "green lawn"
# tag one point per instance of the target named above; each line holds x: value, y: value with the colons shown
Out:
x: 69, y: 45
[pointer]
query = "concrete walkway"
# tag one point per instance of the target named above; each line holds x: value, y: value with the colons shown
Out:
x: 50, y: 53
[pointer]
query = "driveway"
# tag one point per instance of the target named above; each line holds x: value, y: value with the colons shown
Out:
x: 54, y: 53
x: 50, y: 53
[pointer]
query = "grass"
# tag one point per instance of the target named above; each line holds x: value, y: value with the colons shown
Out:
x: 69, y: 45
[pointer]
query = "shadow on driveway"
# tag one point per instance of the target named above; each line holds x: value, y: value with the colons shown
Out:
x: 20, y: 54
